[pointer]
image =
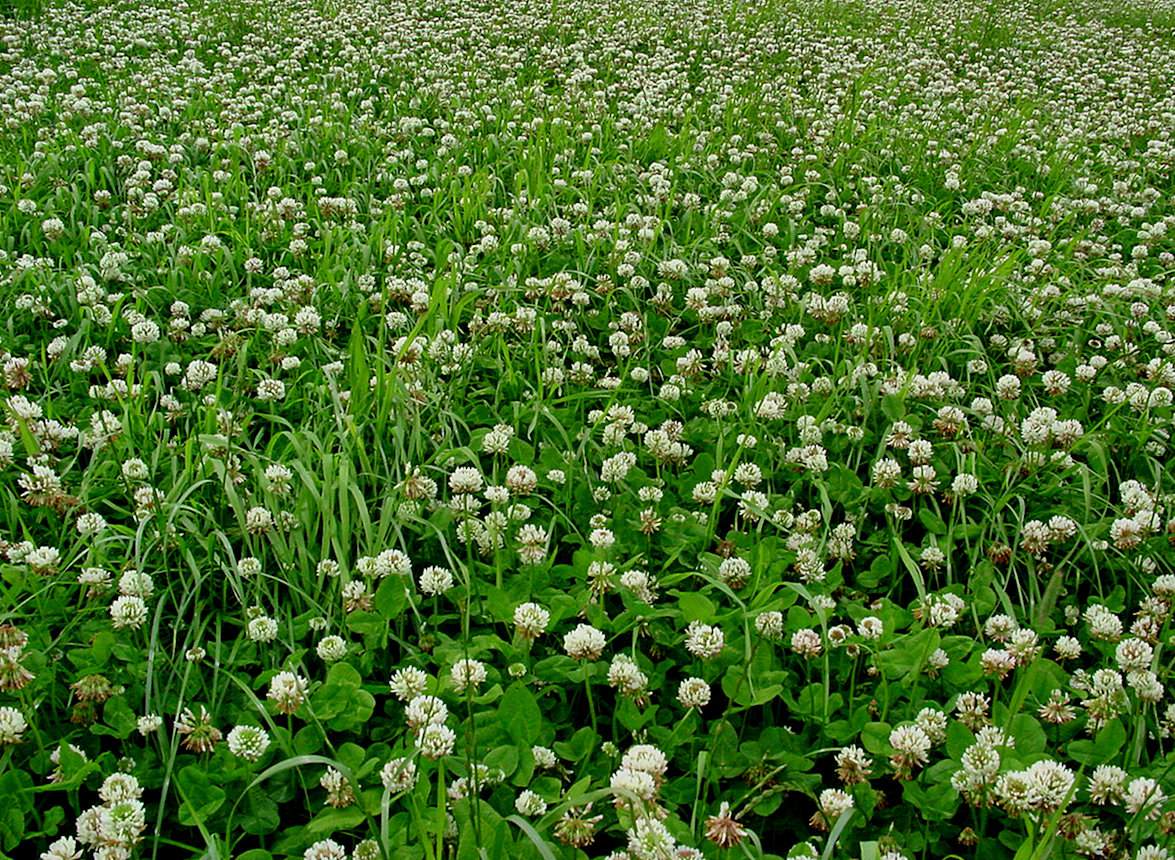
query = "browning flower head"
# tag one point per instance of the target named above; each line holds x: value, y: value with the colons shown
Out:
x: 198, y: 733
x: 13, y: 675
x: 577, y: 826
x: 93, y: 688
x: 723, y: 829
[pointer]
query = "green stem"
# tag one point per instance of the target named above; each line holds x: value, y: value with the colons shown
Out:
x: 422, y: 832
x: 587, y: 686
x: 440, y: 808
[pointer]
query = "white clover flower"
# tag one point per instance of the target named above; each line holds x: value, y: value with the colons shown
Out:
x: 693, y: 693
x: 258, y: 520
x: 649, y: 839
x: 287, y: 691
x: 704, y: 640
x: 628, y: 783
x: 248, y: 742
x: 398, y: 775
x: 136, y: 583
x: 425, y: 710
x: 149, y: 723
x: 465, y: 479
x: 262, y: 629
x: 128, y: 610
x: 1103, y: 624
x: 1133, y: 655
x: 1048, y: 785
x: 408, y: 683
x: 870, y: 627
x: 734, y: 571
x: 646, y: 758
x: 435, y: 741
x: 911, y: 747
x: 435, y: 580
x: 467, y: 673
x: 1107, y: 784
x: 543, y: 757
x: 602, y: 538
x: 770, y: 625
x: 521, y: 480
x: 90, y: 524
x: 12, y: 726
x: 584, y: 642
x: 331, y: 649
x: 119, y: 787
x: 1144, y: 797
x: 530, y: 804
x: 834, y: 803
x: 325, y: 849
x: 63, y: 848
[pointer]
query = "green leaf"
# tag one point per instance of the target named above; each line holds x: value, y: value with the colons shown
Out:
x: 1109, y: 740
x: 844, y: 483
x: 762, y: 696
x: 333, y: 820
x: 726, y: 759
x: 1030, y: 737
x: 1024, y: 852
x: 880, y: 570
x: 74, y: 767
x: 911, y: 567
x: 526, y: 765
x: 893, y: 407
x: 260, y: 813
x: 875, y: 738
x: 391, y: 599
x: 15, y: 788
x: 959, y: 737
x: 11, y: 827
x: 352, y: 755
x: 866, y: 799
x: 520, y: 715
x: 837, y: 829
x: 1102, y: 748
x: 358, y: 712
x: 51, y: 822
x: 932, y: 522
x: 521, y: 452
x: 1048, y: 600
x: 909, y: 654
x: 937, y: 804
x: 499, y: 603
x: 102, y: 646
x: 344, y: 673
x: 632, y: 717
x: 531, y: 834
x: 201, y: 798
x: 331, y: 700
x: 367, y: 623
x: 309, y: 740
x: 340, y: 702
x: 578, y: 747
x: 118, y: 715
x: 467, y: 845
x: 503, y: 758
x: 696, y: 607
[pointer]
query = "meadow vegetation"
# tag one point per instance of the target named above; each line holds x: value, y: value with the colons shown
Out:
x: 558, y: 429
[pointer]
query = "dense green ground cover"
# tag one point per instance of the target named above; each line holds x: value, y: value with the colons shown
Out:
x: 577, y: 429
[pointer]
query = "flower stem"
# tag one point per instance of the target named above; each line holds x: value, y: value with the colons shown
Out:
x: 440, y: 808
x: 587, y: 686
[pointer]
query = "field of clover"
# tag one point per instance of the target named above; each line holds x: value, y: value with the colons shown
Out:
x: 584, y: 429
